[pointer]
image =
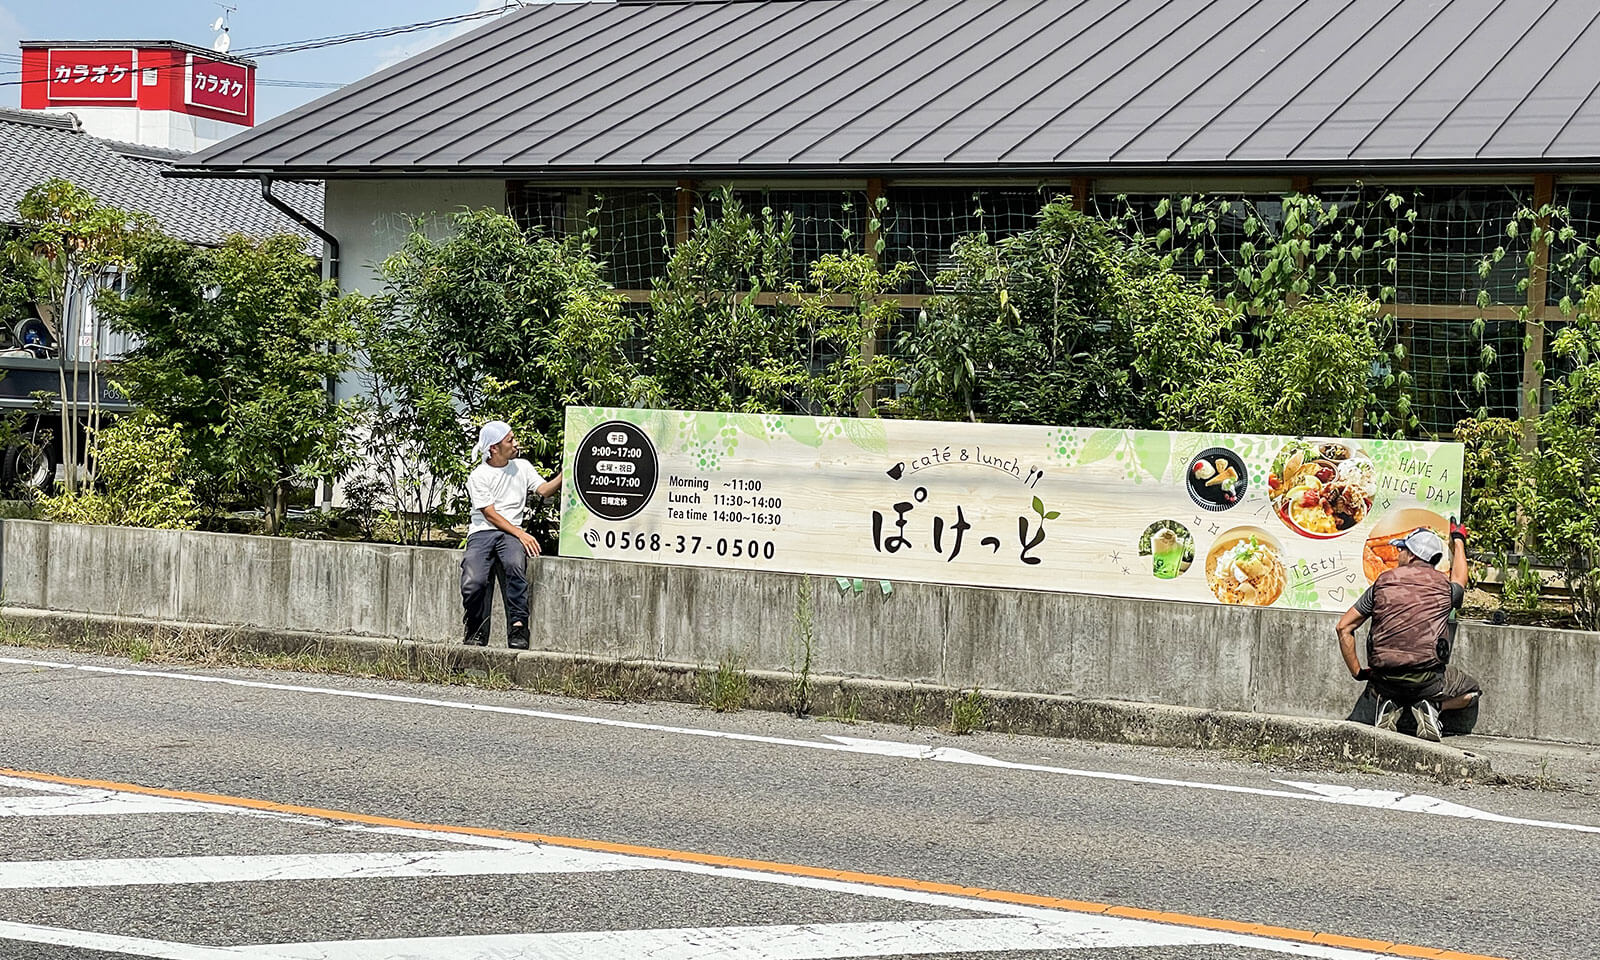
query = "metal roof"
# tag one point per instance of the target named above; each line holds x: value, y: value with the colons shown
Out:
x: 36, y: 147
x: 1022, y: 86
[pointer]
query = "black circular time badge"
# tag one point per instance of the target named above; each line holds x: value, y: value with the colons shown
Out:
x: 616, y: 469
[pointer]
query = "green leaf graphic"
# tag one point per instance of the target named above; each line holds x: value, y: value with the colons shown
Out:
x: 751, y: 425
x: 708, y: 425
x: 867, y: 435
x: 1038, y: 506
x: 1101, y: 444
x: 803, y: 430
x: 1153, y: 451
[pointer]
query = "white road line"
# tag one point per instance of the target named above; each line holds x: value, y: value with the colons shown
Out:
x: 1016, y: 927
x: 820, y: 941
x: 38, y: 786
x: 463, y: 839
x: 50, y: 874
x: 833, y: 744
x: 104, y: 805
x: 132, y: 946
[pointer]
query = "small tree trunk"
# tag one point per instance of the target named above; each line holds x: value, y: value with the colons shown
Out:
x: 277, y: 508
x: 68, y: 455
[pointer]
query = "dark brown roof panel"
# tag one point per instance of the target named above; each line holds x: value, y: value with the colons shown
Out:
x: 719, y: 86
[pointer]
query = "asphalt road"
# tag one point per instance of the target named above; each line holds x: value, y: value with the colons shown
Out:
x: 619, y: 830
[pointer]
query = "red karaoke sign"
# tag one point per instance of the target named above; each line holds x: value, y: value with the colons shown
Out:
x: 218, y: 86
x: 92, y: 75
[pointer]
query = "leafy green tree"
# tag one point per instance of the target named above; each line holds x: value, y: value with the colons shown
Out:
x: 1310, y: 373
x: 66, y: 247
x: 237, y: 349
x: 1564, y: 473
x: 1074, y: 323
x: 1263, y: 260
x: 1033, y: 330
x: 837, y: 369
x: 21, y: 283
x: 711, y: 342
x: 491, y: 321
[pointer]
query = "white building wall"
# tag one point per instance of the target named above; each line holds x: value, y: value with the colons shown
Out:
x: 372, y: 218
x: 167, y: 129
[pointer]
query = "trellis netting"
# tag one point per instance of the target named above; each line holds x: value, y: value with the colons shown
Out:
x: 1419, y: 248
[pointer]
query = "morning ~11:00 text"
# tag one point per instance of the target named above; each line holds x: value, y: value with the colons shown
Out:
x: 721, y: 546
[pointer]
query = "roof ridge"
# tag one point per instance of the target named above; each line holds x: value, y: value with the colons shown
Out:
x: 64, y: 120
x: 140, y: 151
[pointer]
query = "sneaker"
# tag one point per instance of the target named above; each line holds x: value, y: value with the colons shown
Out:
x: 1387, y: 716
x: 1427, y: 717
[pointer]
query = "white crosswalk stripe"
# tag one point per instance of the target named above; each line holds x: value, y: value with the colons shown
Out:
x: 780, y: 942
x: 310, y: 866
x: 998, y: 927
x: 91, y: 805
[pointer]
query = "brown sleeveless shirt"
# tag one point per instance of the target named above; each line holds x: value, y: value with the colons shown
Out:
x: 1411, y: 608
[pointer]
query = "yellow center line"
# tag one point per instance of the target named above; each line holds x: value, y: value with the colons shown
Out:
x: 787, y: 869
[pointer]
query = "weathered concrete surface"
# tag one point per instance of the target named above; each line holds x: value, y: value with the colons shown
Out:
x: 1541, y: 684
x: 1312, y: 742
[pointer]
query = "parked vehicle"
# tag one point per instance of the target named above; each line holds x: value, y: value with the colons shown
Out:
x: 33, y: 373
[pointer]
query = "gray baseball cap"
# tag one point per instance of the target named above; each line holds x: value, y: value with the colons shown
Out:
x: 1423, y: 544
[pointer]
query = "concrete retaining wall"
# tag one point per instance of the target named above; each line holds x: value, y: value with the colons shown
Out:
x: 1542, y: 684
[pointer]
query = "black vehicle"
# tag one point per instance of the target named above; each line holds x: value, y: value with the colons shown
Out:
x: 32, y: 374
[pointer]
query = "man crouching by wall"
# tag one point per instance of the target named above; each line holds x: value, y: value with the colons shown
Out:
x: 1413, y: 613
x: 498, y: 488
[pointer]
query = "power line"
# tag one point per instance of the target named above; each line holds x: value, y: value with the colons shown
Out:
x: 317, y: 43
x: 299, y: 84
x: 339, y: 39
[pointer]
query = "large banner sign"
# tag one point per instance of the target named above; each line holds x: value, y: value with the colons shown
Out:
x: 1249, y: 520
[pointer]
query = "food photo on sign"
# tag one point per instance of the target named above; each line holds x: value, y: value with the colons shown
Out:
x: 1322, y: 489
x: 1379, y: 554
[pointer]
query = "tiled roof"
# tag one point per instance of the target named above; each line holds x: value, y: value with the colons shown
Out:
x: 36, y: 147
x: 894, y: 86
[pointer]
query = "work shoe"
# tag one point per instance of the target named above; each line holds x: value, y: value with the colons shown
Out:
x: 517, y: 637
x: 1387, y: 716
x: 1427, y: 717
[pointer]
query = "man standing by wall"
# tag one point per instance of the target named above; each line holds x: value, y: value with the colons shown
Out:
x: 498, y: 488
x: 1413, y: 612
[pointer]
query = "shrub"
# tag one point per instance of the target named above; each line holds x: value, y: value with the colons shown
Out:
x: 1031, y: 330
x: 710, y: 342
x: 491, y: 322
x: 143, y: 480
x: 1564, y: 475
x: 1492, y: 484
x: 236, y: 348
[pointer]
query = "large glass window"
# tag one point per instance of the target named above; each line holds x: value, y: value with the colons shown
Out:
x: 921, y: 224
x: 632, y: 226
x: 825, y: 221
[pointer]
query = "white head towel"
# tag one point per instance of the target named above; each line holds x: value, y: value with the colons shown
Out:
x: 492, y: 433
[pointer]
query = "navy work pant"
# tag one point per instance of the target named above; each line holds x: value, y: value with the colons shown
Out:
x: 495, y: 555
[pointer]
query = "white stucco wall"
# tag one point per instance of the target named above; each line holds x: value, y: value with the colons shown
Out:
x: 167, y: 129
x: 371, y: 218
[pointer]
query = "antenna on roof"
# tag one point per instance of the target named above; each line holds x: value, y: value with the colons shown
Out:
x: 222, y: 41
